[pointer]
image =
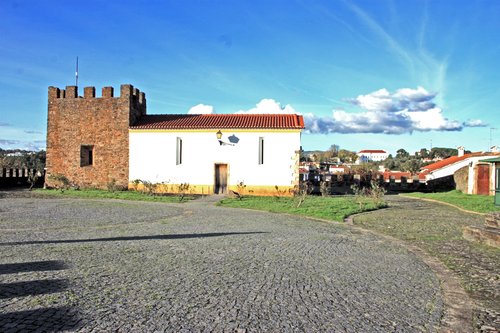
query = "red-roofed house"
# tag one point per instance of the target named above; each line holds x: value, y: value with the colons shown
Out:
x: 478, y: 178
x: 96, y: 141
x: 374, y: 155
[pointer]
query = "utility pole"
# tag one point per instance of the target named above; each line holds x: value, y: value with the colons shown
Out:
x: 491, y: 137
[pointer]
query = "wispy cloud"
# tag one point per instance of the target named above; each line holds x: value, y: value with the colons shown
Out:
x: 34, y: 145
x: 4, y: 124
x: 9, y: 142
x: 474, y: 123
x: 32, y: 132
x: 422, y: 66
x: 377, y: 29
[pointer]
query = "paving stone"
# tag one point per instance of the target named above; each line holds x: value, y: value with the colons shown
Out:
x: 134, y: 267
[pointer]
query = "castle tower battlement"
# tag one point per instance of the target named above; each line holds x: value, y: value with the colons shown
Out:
x: 126, y: 91
x: 87, y: 137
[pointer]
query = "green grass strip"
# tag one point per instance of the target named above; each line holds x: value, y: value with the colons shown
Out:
x: 329, y: 208
x: 472, y: 202
x: 102, y: 194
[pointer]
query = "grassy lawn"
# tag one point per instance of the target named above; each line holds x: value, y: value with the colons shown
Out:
x: 475, y: 203
x: 124, y: 195
x: 330, y: 208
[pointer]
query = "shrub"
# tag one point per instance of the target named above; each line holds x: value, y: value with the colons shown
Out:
x: 135, y: 183
x: 323, y: 188
x: 300, y: 193
x: 111, y: 185
x: 182, y: 190
x: 63, y: 182
x: 241, y: 189
x: 374, y: 194
x: 149, y: 187
x: 279, y: 193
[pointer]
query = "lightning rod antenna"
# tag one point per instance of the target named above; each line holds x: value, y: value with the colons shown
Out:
x: 76, y: 72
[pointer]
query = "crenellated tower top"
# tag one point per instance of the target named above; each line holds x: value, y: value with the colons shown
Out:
x: 71, y: 92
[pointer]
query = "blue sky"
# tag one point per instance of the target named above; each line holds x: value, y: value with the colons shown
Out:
x: 365, y: 74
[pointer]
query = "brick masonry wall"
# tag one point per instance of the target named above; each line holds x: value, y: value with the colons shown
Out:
x: 102, y: 122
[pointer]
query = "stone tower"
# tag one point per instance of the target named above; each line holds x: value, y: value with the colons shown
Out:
x: 88, y: 137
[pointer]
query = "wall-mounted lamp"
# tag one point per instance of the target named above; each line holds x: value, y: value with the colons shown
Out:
x: 222, y: 143
x: 219, y: 137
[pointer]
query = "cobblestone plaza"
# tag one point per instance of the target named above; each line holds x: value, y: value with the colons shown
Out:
x: 108, y: 265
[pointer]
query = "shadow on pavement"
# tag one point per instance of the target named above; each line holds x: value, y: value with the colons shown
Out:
x: 41, y: 319
x: 36, y: 287
x: 32, y: 266
x: 53, y: 319
x: 133, y: 238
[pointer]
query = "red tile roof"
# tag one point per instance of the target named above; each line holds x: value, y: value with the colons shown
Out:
x: 373, y: 151
x: 396, y: 174
x: 220, y: 121
x: 451, y: 160
x: 447, y: 161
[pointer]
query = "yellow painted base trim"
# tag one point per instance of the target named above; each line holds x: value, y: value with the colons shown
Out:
x: 257, y: 190
x: 264, y: 190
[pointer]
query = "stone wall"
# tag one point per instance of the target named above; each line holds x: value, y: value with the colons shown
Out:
x: 101, y: 123
x: 488, y: 234
x: 461, y: 178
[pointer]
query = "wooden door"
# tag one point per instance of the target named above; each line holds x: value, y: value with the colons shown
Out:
x: 220, y: 179
x: 483, y: 179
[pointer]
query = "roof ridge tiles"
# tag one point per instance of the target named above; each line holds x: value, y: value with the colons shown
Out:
x: 208, y: 121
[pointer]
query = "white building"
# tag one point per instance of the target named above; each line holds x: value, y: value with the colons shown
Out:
x: 371, y: 156
x: 214, y: 153
x: 480, y: 174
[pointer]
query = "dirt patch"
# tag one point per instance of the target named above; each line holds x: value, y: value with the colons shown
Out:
x: 437, y: 230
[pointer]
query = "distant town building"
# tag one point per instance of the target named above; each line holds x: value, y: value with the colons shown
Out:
x: 368, y: 155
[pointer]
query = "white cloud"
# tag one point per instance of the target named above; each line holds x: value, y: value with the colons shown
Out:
x: 201, y: 109
x: 21, y: 138
x: 474, y: 123
x: 404, y: 111
x: 270, y: 106
x: 380, y: 99
x: 9, y: 142
x: 35, y: 145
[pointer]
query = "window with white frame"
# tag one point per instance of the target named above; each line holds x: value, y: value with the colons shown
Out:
x: 178, y: 156
x: 261, y: 150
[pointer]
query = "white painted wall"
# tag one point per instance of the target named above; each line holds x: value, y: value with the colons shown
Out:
x: 369, y: 157
x: 153, y: 157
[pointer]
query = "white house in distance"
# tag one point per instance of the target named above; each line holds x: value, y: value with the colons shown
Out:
x: 214, y: 153
x: 368, y: 155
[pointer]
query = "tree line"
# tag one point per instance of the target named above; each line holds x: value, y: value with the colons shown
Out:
x: 402, y: 161
x: 19, y: 159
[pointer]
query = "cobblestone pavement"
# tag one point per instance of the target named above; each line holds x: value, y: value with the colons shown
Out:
x: 104, y: 265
